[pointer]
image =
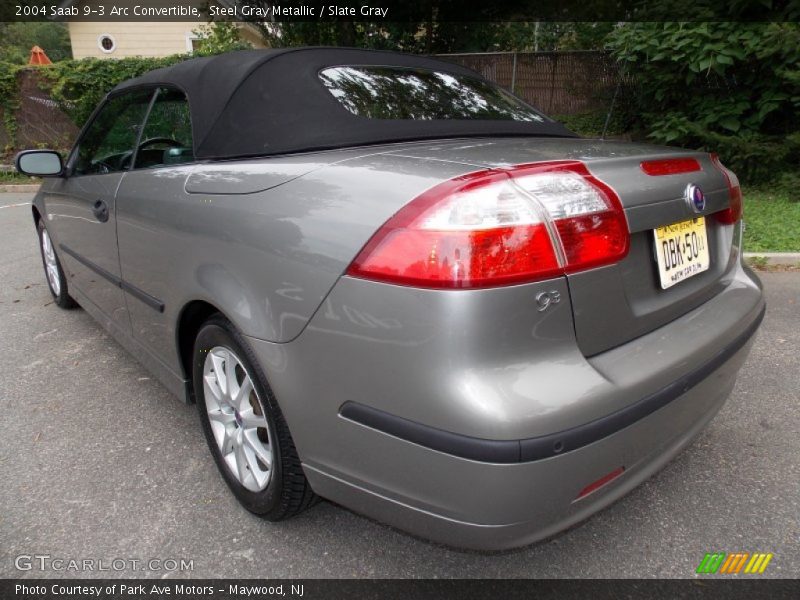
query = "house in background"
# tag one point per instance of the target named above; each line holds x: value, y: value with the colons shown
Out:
x: 116, y: 39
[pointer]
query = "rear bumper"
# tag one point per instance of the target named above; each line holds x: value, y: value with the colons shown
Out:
x: 507, y: 506
x: 490, y: 450
x: 545, y: 446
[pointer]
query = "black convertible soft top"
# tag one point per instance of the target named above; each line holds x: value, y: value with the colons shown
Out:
x: 262, y: 102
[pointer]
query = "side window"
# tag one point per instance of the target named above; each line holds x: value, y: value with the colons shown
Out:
x: 107, y: 145
x: 167, y: 135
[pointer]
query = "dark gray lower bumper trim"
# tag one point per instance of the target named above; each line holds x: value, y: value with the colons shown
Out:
x: 531, y: 449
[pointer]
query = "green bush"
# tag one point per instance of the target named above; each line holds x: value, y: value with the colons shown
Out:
x: 9, y: 102
x: 17, y: 39
x: 788, y: 184
x: 218, y: 38
x: 79, y: 85
x: 732, y: 87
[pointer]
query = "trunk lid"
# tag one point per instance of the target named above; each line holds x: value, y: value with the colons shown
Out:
x: 617, y: 303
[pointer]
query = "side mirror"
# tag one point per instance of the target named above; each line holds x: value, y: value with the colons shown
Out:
x: 39, y: 163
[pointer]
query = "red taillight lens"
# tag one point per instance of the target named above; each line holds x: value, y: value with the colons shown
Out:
x: 670, y: 166
x: 733, y: 213
x: 498, y: 227
x: 587, y: 214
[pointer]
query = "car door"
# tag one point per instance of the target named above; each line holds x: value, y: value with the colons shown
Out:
x: 153, y: 235
x: 81, y: 207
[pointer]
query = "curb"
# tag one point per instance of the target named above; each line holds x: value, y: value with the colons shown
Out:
x: 19, y: 187
x: 776, y: 258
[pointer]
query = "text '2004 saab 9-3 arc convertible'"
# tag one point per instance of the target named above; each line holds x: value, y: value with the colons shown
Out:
x: 388, y: 282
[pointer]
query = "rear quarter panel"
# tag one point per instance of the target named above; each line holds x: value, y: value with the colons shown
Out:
x: 265, y: 259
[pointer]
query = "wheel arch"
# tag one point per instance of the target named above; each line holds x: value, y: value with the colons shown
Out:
x: 190, y: 319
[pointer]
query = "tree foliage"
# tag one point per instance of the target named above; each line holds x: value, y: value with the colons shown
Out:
x: 79, y: 85
x: 9, y: 103
x: 731, y: 87
x: 440, y: 36
x: 217, y: 38
x: 17, y: 39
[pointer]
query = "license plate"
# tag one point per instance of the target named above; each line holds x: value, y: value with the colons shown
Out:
x: 681, y: 251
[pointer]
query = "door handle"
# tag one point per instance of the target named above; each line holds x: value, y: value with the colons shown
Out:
x: 100, y: 210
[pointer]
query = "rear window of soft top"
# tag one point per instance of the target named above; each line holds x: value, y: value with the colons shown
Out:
x: 383, y: 92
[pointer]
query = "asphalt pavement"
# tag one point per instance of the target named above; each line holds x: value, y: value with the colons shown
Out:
x: 98, y: 461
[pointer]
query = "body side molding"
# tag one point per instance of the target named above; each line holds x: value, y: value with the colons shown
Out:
x: 134, y: 291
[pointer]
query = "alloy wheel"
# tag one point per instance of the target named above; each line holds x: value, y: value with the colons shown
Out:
x: 50, y: 263
x: 237, y: 419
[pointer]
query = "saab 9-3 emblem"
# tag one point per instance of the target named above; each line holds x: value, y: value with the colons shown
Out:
x: 695, y: 198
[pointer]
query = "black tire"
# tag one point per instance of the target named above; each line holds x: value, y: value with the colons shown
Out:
x: 288, y: 491
x: 60, y: 296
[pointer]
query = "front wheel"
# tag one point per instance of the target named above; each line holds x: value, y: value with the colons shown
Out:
x: 244, y: 426
x: 54, y: 274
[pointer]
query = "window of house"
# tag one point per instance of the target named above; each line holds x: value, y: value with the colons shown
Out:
x: 106, y: 43
x: 193, y: 43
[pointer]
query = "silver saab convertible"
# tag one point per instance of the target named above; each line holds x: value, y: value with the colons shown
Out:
x: 388, y: 282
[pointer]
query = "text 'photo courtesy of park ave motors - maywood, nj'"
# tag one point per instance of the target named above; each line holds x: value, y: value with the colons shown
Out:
x: 159, y: 590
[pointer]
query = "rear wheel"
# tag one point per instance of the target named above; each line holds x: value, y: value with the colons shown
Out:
x: 53, y: 272
x: 244, y: 427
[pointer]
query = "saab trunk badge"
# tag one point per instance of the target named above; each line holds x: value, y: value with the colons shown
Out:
x: 695, y: 198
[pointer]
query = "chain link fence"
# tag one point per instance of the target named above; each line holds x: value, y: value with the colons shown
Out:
x: 38, y: 120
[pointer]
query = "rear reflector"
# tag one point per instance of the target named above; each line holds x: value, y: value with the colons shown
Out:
x: 670, y: 166
x: 499, y: 227
x: 734, y: 211
x: 600, y: 482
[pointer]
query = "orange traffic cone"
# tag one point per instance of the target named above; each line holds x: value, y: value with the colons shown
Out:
x: 38, y: 57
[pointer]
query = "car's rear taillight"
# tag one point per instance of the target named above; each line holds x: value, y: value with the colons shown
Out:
x: 498, y: 227
x: 733, y: 213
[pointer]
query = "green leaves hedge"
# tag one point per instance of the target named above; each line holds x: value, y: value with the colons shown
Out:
x: 9, y: 100
x: 79, y: 85
x: 729, y: 87
x: 76, y: 85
